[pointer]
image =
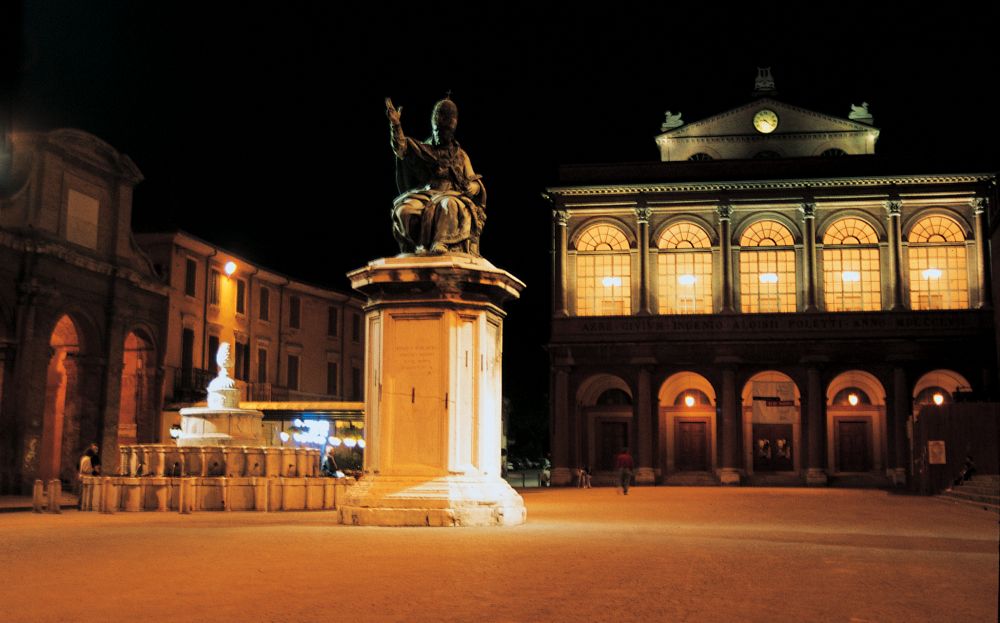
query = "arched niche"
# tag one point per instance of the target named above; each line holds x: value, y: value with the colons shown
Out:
x: 772, y: 431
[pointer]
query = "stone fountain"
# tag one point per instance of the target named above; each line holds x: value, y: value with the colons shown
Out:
x: 220, y: 462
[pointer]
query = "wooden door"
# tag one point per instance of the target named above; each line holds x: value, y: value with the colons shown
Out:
x: 692, y: 446
x: 614, y: 436
x: 852, y: 441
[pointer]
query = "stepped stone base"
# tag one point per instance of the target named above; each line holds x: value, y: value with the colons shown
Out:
x: 450, y: 501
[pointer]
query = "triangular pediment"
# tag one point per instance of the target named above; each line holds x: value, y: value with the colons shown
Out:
x: 791, y: 120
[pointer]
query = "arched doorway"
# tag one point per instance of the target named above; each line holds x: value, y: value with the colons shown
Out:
x: 855, y: 423
x: 136, y: 412
x: 60, y: 417
x: 606, y: 404
x: 772, y: 407
x: 687, y: 423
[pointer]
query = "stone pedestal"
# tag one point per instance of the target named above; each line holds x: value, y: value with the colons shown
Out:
x: 432, y: 394
x: 729, y: 476
x: 815, y: 477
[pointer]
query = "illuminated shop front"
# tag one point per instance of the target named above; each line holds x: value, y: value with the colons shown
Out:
x: 321, y: 425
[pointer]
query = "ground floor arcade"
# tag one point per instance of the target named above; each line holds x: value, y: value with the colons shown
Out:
x: 800, y: 424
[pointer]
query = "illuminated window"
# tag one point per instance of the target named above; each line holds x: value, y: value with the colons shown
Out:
x: 603, y: 273
x: 938, y: 271
x: 767, y: 269
x: 684, y: 267
x: 851, y: 275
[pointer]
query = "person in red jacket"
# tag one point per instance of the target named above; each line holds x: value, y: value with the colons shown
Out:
x: 624, y: 464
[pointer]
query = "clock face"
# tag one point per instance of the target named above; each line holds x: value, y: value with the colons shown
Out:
x: 765, y: 121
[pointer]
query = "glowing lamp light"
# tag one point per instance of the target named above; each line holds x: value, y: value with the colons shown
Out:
x: 350, y: 442
x: 932, y: 273
x: 769, y: 278
x: 939, y: 399
x: 853, y: 400
x: 689, y: 400
x: 284, y: 436
x: 608, y: 282
x: 361, y: 443
x: 850, y: 275
x: 230, y: 268
x: 687, y: 280
x: 335, y: 441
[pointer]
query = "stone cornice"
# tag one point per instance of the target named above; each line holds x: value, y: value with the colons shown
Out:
x: 697, y: 187
x: 72, y: 257
x: 757, y: 138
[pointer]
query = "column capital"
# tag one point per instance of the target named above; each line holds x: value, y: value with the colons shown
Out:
x: 808, y: 209
x: 642, y: 213
x: 725, y: 210
x: 560, y: 216
x: 894, y: 207
x: 979, y: 204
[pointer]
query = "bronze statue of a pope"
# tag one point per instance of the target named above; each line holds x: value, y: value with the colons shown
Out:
x: 442, y: 205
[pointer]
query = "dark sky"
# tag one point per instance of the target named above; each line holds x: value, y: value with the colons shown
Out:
x: 263, y: 129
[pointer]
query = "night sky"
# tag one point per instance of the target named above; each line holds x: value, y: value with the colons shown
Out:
x: 263, y: 129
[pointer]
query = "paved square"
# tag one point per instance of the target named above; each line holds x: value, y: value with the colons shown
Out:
x: 663, y: 554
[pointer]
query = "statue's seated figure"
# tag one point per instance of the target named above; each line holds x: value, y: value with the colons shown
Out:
x: 442, y: 207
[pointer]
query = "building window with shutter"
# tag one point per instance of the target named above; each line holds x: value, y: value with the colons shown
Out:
x: 293, y: 372
x: 295, y: 312
x: 265, y: 304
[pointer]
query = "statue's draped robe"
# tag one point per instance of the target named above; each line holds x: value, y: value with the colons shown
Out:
x: 433, y: 209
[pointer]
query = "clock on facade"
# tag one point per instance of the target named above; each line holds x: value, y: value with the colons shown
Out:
x: 765, y: 121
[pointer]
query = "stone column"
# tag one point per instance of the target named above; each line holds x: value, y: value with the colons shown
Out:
x: 561, y: 469
x: 902, y: 405
x: 894, y: 208
x: 726, y: 250
x: 809, y: 251
x: 644, y: 474
x: 979, y: 208
x: 817, y: 427
x: 730, y: 472
x: 560, y: 240
x: 642, y: 214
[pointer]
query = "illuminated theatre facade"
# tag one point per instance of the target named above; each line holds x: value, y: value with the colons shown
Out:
x: 769, y: 304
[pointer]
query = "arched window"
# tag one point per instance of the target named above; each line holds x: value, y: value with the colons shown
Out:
x: 767, y: 268
x: 700, y: 156
x: 938, y: 271
x: 833, y: 152
x: 851, y: 276
x: 603, y: 272
x: 684, y: 270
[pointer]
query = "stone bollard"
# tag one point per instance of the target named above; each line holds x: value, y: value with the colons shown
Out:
x: 260, y: 494
x: 109, y: 495
x: 329, y: 493
x: 55, y: 496
x: 162, y: 492
x: 132, y: 492
x: 38, y: 497
x: 186, y: 498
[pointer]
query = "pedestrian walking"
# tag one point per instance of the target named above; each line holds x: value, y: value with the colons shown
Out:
x: 624, y: 464
x: 583, y: 475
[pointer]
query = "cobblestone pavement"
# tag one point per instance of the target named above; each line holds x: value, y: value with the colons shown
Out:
x: 658, y: 554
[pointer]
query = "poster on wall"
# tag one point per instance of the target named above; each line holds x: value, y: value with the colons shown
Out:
x: 935, y: 453
x: 774, y: 402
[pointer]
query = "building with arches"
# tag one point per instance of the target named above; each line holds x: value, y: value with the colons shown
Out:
x: 770, y: 303
x: 82, y: 312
